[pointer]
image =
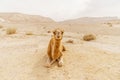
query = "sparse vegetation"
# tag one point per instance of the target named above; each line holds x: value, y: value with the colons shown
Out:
x: 29, y: 33
x: 109, y: 24
x: 70, y: 41
x: 1, y: 26
x: 44, y: 27
x: 48, y: 31
x: 11, y: 30
x: 43, y: 34
x: 89, y: 37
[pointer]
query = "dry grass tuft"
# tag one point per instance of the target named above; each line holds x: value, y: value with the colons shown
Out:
x: 11, y: 30
x: 48, y: 31
x: 1, y: 26
x: 109, y: 24
x: 89, y: 37
x: 70, y: 41
x: 29, y: 33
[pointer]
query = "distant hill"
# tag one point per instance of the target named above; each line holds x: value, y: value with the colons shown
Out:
x: 23, y: 18
x: 89, y: 20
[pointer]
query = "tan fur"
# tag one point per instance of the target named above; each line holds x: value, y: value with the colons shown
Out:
x: 55, y: 48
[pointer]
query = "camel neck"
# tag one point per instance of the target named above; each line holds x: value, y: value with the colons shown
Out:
x: 57, y: 43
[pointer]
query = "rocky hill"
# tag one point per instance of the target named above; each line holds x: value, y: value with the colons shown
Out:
x: 23, y: 18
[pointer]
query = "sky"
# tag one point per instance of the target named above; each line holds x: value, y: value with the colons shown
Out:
x: 60, y: 10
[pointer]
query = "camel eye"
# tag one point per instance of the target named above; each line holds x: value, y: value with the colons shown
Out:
x: 62, y: 32
x: 54, y: 32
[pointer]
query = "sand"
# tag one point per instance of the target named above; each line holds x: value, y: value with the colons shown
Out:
x: 22, y: 57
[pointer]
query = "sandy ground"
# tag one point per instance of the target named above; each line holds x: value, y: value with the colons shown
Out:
x: 22, y: 57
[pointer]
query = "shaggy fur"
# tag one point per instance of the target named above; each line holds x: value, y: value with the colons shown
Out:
x: 55, y: 48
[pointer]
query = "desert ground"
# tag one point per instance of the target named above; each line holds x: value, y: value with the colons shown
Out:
x: 23, y: 54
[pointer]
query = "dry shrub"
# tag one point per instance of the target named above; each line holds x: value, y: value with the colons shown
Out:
x: 89, y: 37
x: 11, y: 30
x: 43, y: 35
x: 44, y: 27
x: 48, y: 31
x: 109, y: 24
x: 29, y: 33
x: 1, y: 26
x: 70, y: 41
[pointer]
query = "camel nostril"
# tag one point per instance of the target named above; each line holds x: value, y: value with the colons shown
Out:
x: 58, y: 36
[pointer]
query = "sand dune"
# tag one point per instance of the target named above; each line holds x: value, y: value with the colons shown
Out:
x: 22, y: 57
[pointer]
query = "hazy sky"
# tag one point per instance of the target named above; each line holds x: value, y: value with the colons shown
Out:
x: 63, y: 9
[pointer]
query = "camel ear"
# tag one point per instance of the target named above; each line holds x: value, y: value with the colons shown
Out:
x: 54, y: 32
x: 62, y: 31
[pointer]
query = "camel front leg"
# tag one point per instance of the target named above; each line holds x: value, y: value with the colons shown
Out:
x: 48, y: 62
x: 60, y: 61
